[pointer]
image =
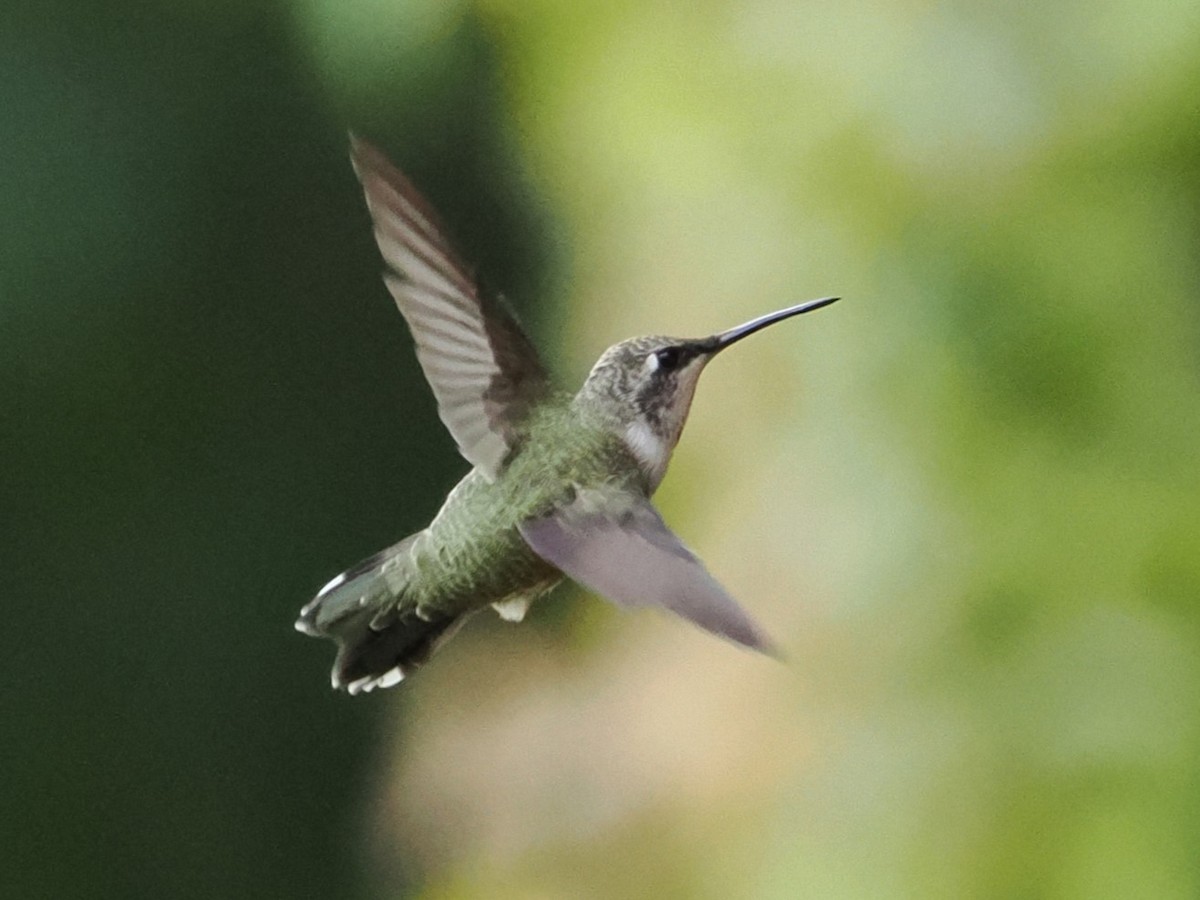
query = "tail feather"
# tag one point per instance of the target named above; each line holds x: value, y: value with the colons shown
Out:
x: 379, y: 643
x: 368, y: 659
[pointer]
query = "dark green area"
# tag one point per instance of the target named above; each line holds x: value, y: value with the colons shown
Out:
x: 208, y: 407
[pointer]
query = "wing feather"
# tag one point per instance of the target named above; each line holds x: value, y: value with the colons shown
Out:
x: 617, y: 545
x: 484, y: 371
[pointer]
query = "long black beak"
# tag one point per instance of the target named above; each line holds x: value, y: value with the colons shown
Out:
x: 719, y: 342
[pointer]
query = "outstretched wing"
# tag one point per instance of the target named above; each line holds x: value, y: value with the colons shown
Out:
x: 484, y: 371
x: 616, y: 544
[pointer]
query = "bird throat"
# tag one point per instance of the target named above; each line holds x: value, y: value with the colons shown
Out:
x: 651, y: 449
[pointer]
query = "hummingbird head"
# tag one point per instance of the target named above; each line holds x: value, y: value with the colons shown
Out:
x: 644, y: 386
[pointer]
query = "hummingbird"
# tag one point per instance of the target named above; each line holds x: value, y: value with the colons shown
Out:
x: 560, y: 485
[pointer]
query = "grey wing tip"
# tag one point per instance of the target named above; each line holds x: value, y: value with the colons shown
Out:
x: 751, y: 637
x: 366, y: 159
x: 768, y: 647
x: 360, y: 148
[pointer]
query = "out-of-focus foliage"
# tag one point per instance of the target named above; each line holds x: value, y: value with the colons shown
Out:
x: 208, y: 406
x: 965, y: 500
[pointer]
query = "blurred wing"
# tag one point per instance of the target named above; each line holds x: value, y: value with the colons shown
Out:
x: 484, y: 371
x: 617, y: 545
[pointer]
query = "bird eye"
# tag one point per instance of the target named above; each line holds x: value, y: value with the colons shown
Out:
x: 668, y: 358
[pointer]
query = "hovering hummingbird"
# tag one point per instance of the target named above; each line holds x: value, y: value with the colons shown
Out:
x: 561, y: 485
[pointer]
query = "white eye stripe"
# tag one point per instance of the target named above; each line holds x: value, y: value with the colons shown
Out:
x: 652, y: 362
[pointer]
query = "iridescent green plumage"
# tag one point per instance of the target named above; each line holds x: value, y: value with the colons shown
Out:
x: 473, y: 554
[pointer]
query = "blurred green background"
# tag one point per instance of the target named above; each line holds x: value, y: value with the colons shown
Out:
x: 966, y: 500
